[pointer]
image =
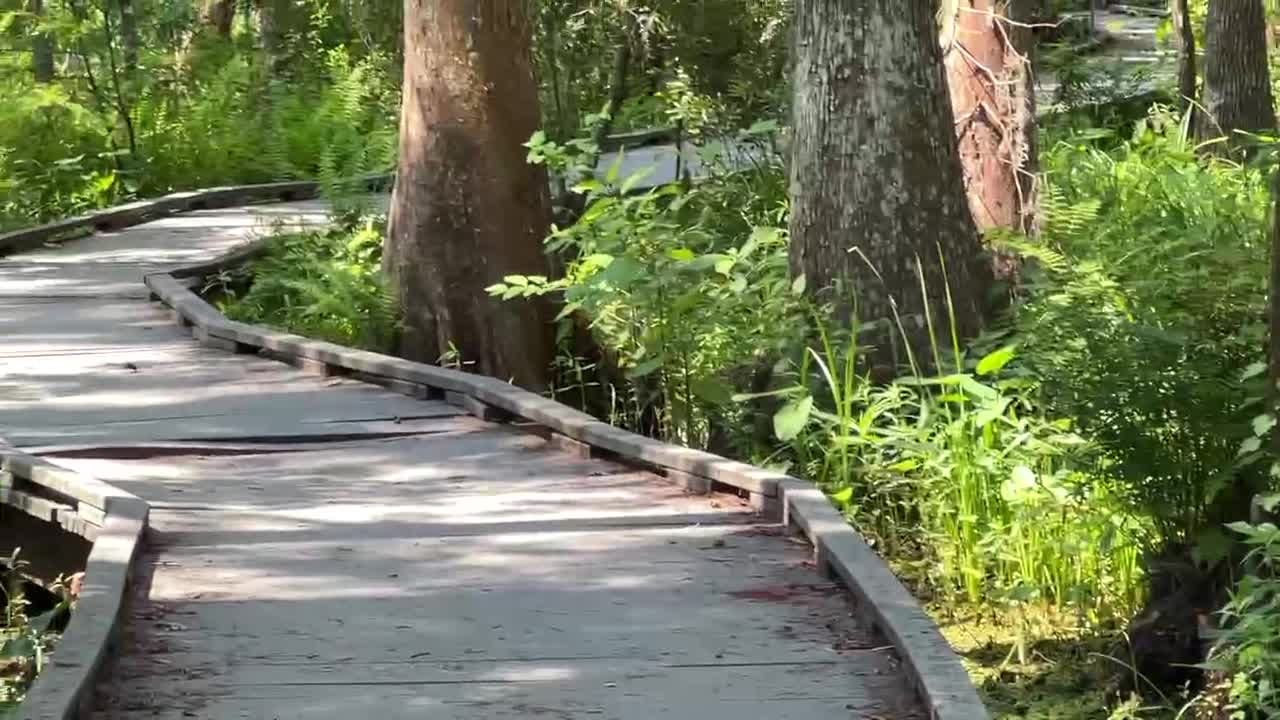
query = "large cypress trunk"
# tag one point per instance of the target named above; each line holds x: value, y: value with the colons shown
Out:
x: 988, y: 61
x: 468, y: 209
x: 876, y: 178
x: 1237, y: 81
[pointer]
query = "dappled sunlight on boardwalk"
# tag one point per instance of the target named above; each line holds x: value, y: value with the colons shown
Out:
x: 321, y: 548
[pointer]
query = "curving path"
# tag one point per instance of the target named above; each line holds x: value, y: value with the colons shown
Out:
x: 322, y: 548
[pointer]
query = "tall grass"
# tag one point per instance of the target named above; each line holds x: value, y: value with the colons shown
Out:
x: 961, y: 479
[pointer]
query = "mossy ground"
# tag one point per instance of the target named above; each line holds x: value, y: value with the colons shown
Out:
x: 1065, y: 671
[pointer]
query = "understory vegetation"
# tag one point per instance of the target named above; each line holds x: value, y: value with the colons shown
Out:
x: 1062, y: 491
x: 28, y: 632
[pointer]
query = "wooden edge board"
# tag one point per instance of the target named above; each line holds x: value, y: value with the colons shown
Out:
x: 65, y: 686
x: 840, y: 552
x: 141, y: 211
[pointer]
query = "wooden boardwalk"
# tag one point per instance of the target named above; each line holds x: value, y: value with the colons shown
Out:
x: 321, y: 548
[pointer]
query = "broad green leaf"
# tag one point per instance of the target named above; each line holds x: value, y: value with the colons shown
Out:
x: 797, y: 285
x: 1248, y: 446
x: 683, y: 254
x: 1253, y: 370
x: 635, y: 178
x: 843, y: 498
x: 712, y: 390
x: 599, y: 260
x: 792, y: 418
x: 615, y: 169
x: 1263, y: 423
x: 645, y: 368
x: 995, y: 361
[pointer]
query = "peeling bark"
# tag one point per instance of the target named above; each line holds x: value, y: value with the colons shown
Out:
x: 467, y: 208
x: 875, y: 172
x: 993, y: 96
x: 1237, y: 79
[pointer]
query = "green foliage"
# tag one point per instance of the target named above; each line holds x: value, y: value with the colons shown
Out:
x: 961, y: 478
x: 1246, y: 656
x: 1144, y: 312
x: 208, y: 113
x: 324, y: 284
x: 25, y: 640
x: 685, y: 287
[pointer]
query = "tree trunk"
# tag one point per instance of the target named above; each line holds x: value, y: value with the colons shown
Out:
x: 1185, y: 37
x: 876, y: 179
x: 1237, y: 80
x: 219, y: 15
x: 273, y: 23
x: 993, y: 97
x: 129, y: 37
x: 41, y: 47
x: 468, y: 209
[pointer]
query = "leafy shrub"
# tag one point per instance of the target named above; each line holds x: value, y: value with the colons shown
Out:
x: 1246, y: 655
x: 26, y: 638
x: 322, y: 284
x: 686, y: 288
x: 1144, y: 313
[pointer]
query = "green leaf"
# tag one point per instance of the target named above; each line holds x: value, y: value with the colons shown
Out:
x: 1248, y: 446
x: 636, y: 177
x: 1211, y: 546
x: 612, y: 176
x: 598, y: 260
x: 589, y: 185
x: 711, y: 390
x: 645, y: 368
x: 762, y: 127
x: 995, y: 361
x: 759, y: 236
x: 797, y: 285
x: 1253, y: 370
x: 843, y: 498
x: 1263, y: 423
x: 683, y: 254
x: 792, y: 418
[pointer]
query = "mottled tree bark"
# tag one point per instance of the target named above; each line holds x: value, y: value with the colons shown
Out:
x: 128, y: 37
x: 468, y: 209
x: 41, y: 47
x: 1237, y: 80
x: 274, y: 17
x: 993, y: 97
x: 1185, y: 38
x: 219, y: 15
x: 875, y: 171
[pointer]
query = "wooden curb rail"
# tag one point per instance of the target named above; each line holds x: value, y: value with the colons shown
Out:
x: 114, y: 521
